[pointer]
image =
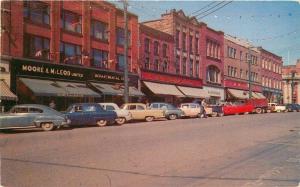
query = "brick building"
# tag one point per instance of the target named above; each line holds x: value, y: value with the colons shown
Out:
x: 198, y: 50
x: 271, y: 80
x: 291, y: 83
x: 83, y: 39
x: 236, y: 69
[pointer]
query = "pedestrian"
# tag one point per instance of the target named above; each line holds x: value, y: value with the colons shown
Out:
x: 203, y: 106
x: 52, y: 104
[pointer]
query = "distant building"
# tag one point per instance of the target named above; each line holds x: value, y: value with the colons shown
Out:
x: 291, y: 83
x: 198, y: 51
x: 271, y: 75
x: 236, y: 69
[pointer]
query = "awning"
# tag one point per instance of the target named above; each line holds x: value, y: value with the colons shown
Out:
x: 193, y: 92
x: 116, y: 89
x: 5, y: 93
x: 239, y: 94
x: 163, y: 89
x: 259, y: 95
x: 58, y: 88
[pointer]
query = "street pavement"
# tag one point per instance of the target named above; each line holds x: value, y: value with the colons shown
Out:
x: 240, y: 150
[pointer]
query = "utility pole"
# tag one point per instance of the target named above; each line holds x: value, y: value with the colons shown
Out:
x: 292, y: 86
x: 249, y: 71
x: 126, y: 88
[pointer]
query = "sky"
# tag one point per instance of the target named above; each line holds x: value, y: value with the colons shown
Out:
x: 274, y: 25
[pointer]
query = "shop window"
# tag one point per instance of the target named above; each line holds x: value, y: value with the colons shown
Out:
x: 99, y: 30
x: 37, y: 12
x: 147, y: 45
x: 213, y: 74
x: 36, y: 47
x: 121, y: 37
x: 71, y: 21
x: 165, y: 48
x: 99, y: 58
x: 70, y: 53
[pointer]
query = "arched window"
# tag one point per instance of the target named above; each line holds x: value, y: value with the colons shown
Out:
x: 213, y: 74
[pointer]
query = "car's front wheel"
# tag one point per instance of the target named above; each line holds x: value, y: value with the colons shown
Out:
x: 101, y: 123
x: 172, y: 117
x: 47, y: 126
x: 120, y: 121
x: 149, y: 118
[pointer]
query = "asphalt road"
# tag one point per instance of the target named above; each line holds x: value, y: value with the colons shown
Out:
x: 243, y: 151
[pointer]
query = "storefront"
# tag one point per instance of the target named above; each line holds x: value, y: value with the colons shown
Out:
x: 216, y: 94
x: 41, y: 82
x: 273, y: 95
x: 162, y: 87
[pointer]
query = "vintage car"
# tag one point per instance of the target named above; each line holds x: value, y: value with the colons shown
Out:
x: 274, y: 107
x: 293, y: 107
x: 123, y: 115
x: 33, y: 115
x: 139, y: 111
x: 237, y: 108
x: 89, y: 114
x: 192, y: 110
x: 214, y: 110
x: 171, y: 112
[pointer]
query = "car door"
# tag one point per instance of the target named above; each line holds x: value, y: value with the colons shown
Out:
x: 17, y: 118
x: 33, y: 114
x: 194, y: 109
x: 89, y: 115
x: 133, y: 111
x: 76, y: 115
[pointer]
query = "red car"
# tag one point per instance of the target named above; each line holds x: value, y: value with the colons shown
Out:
x: 237, y: 108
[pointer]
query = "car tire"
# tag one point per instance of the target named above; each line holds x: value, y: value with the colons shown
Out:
x: 49, y: 126
x: 120, y: 121
x: 246, y: 113
x: 149, y: 118
x: 200, y: 115
x: 258, y: 110
x: 172, y: 117
x: 101, y: 123
x: 220, y: 114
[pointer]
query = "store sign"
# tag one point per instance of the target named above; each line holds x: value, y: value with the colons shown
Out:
x: 68, y: 72
x: 241, y: 85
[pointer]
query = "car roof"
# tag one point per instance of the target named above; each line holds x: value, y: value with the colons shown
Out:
x: 107, y: 103
x: 32, y: 105
x: 134, y: 104
x: 160, y: 103
x: 189, y: 103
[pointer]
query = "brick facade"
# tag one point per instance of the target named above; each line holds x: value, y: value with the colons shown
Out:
x: 291, y: 78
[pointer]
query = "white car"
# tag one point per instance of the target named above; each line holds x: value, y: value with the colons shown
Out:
x: 274, y: 107
x: 123, y: 115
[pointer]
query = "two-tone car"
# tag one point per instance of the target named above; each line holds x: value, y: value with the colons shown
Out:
x: 171, y: 112
x: 123, y: 114
x: 33, y: 115
x: 89, y: 114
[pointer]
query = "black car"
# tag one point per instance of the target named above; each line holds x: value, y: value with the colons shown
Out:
x: 293, y: 107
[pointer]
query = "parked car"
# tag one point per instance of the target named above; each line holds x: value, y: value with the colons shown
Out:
x: 293, y: 107
x: 274, y: 107
x: 237, y: 108
x: 192, y: 110
x: 171, y: 112
x: 123, y: 115
x: 214, y: 110
x: 139, y: 111
x: 33, y: 115
x: 89, y: 114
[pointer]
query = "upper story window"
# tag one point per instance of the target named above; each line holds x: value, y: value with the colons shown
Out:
x: 196, y: 45
x: 156, y: 65
x: 36, y: 11
x: 36, y: 47
x: 177, y: 38
x: 177, y: 65
x: 241, y: 55
x: 70, y: 53
x: 191, y: 44
x: 156, y: 48
x: 197, y: 69
x: 231, y: 52
x: 99, y: 58
x: 99, y: 30
x: 165, y: 67
x: 191, y: 67
x: 165, y: 48
x: 213, y: 74
x: 147, y: 63
x: 121, y: 37
x: 213, y: 49
x: 147, y: 45
x: 183, y: 63
x: 71, y: 21
x: 184, y: 41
